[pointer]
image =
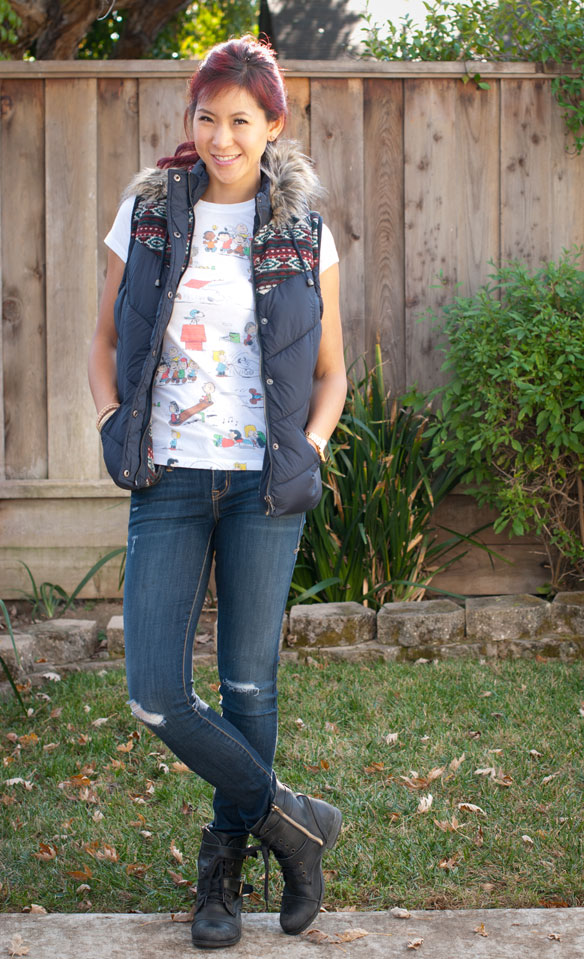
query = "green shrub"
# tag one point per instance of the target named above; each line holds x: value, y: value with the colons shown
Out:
x: 547, y: 31
x: 370, y: 539
x: 512, y: 414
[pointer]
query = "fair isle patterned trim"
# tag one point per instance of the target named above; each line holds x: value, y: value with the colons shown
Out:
x: 149, y: 227
x: 275, y: 257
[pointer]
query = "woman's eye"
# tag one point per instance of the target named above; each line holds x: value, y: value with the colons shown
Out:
x: 240, y: 120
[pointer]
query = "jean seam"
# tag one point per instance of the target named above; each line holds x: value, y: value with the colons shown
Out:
x: 205, y: 719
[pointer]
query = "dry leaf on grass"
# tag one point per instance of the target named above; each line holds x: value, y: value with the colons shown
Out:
x: 137, y: 869
x: 177, y: 878
x: 470, y: 807
x: 456, y: 763
x: 37, y: 910
x: 17, y: 782
x: 180, y: 767
x: 47, y: 852
x: 176, y: 852
x: 447, y: 826
x: 425, y: 803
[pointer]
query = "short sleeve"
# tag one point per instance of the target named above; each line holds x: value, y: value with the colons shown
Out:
x: 328, y: 250
x: 118, y: 238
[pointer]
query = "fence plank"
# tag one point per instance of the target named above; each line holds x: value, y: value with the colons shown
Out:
x: 477, y: 183
x: 71, y: 235
x: 567, y: 189
x: 298, y: 125
x: 162, y: 107
x: 23, y: 290
x: 384, y: 214
x: 336, y: 114
x: 451, y: 207
x: 431, y: 242
x: 526, y: 208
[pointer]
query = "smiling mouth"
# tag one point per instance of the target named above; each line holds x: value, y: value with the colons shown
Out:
x: 225, y: 159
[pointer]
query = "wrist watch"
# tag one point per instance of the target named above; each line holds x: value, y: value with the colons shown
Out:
x: 319, y: 442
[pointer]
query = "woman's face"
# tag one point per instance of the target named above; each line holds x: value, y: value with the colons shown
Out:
x: 230, y: 131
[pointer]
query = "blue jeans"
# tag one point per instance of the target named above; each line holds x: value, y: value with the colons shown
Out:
x: 175, y: 529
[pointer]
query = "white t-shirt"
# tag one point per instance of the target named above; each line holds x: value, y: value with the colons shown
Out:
x: 207, y: 396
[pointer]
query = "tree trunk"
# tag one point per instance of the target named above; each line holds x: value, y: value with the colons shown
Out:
x: 56, y: 27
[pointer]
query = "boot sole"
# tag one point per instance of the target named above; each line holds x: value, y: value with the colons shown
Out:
x: 205, y: 944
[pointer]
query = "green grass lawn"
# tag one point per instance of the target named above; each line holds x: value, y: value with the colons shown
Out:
x: 111, y: 825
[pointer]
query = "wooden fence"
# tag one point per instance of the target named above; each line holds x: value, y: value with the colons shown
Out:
x: 426, y: 177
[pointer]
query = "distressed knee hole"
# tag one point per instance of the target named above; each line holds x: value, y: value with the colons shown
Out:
x: 247, y: 689
x: 151, y: 719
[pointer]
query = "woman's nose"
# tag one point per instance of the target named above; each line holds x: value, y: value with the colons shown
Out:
x: 221, y: 135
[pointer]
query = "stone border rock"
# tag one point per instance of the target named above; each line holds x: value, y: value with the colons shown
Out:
x: 516, y: 626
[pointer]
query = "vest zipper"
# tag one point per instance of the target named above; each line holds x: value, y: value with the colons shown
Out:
x: 268, y: 499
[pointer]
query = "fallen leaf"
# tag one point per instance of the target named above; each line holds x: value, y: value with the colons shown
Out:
x: 331, y: 728
x: 137, y: 869
x: 50, y: 746
x: 470, y: 807
x: 398, y: 913
x: 100, y: 721
x: 28, y: 739
x: 97, y: 815
x: 415, y: 943
x: 548, y: 779
x: 179, y: 767
x: 480, y: 930
x: 535, y: 754
x: 527, y: 840
x: 17, y: 947
x: 318, y: 937
x: 37, y: 910
x: 47, y: 852
x: 451, y: 863
x: 55, y: 678
x: 177, y: 879
x: 349, y: 935
x: 183, y: 916
x: 447, y: 826
x: 373, y: 768
x: 56, y: 712
x: 390, y: 739
x: 82, y: 888
x: 176, y: 852
x: 555, y: 935
x: 425, y: 803
x: 456, y: 763
x: 84, y: 873
x: 126, y: 747
x: 299, y: 723
x: 15, y: 782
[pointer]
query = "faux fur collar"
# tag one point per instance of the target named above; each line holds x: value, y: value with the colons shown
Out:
x: 294, y: 185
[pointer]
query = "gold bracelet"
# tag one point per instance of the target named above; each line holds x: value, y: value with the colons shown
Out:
x: 104, y: 415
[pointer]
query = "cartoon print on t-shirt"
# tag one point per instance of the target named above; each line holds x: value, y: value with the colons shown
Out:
x: 225, y: 240
x: 209, y: 241
x: 244, y: 366
x: 220, y: 358
x: 174, y: 438
x: 256, y: 436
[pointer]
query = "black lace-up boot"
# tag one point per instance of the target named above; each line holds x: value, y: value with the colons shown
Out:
x: 298, y: 830
x: 217, y: 921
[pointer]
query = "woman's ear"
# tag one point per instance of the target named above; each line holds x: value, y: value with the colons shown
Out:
x: 275, y: 128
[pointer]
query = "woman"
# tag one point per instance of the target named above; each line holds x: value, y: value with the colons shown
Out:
x: 195, y: 493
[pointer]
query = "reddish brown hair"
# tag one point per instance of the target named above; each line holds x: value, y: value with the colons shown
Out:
x: 246, y: 63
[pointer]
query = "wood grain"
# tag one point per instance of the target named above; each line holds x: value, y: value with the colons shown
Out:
x: 298, y: 124
x: 336, y: 116
x: 526, y: 196
x: 384, y: 239
x: 71, y: 245
x: 22, y: 188
x: 162, y: 107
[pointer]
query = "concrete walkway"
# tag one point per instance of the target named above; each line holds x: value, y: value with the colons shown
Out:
x: 448, y: 934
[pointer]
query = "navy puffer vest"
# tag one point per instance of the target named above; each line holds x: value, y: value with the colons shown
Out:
x: 285, y: 254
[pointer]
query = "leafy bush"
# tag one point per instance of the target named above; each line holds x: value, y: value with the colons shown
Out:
x: 370, y: 539
x: 542, y: 31
x: 513, y: 413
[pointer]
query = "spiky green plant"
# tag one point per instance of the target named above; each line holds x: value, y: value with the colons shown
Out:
x: 371, y: 538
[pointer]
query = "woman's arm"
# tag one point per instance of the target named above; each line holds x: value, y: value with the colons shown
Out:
x: 330, y: 381
x: 102, y: 352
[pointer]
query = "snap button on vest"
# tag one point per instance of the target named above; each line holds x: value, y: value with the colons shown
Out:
x: 134, y: 412
x: 275, y: 446
x: 264, y: 320
x: 126, y: 472
x: 269, y: 381
x: 177, y: 234
x: 169, y: 294
x: 177, y: 178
